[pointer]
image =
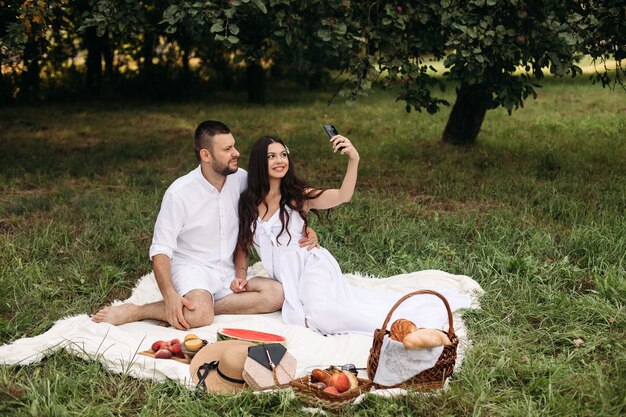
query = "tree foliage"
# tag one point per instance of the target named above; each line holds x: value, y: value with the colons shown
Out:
x: 494, y: 51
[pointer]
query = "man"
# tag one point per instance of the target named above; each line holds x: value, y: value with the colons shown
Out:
x: 194, y: 241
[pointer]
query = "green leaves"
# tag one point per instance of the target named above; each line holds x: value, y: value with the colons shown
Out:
x: 324, y: 34
x: 260, y: 5
x: 217, y: 27
x: 172, y: 15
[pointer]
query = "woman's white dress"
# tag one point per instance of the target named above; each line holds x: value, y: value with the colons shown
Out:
x: 318, y: 296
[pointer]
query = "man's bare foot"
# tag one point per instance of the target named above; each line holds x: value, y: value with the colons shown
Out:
x: 116, y: 315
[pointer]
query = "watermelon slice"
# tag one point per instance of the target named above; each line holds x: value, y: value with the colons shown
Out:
x: 249, y: 336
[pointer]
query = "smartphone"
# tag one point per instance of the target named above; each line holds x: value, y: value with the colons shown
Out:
x: 331, y: 131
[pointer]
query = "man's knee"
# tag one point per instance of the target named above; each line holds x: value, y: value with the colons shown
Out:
x: 203, y: 312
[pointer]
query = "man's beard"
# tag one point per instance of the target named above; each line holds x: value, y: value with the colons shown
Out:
x: 223, y: 169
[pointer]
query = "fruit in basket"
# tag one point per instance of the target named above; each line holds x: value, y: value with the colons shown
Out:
x: 401, y: 328
x: 425, y: 339
x: 321, y: 375
x: 163, y: 354
x: 331, y: 390
x: 318, y: 385
x: 354, y: 382
x: 340, y: 381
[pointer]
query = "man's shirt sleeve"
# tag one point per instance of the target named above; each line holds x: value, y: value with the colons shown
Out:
x: 169, y: 223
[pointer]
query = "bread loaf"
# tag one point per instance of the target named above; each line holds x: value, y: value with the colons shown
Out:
x: 426, y: 339
x: 321, y: 375
x: 400, y: 329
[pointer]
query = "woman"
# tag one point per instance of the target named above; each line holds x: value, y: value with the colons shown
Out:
x: 272, y: 216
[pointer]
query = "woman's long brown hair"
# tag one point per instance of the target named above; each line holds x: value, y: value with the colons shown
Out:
x: 293, y: 193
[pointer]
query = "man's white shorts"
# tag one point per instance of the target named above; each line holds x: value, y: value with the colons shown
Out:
x: 188, y: 276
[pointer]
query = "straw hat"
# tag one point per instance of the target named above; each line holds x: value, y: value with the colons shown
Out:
x: 223, y: 361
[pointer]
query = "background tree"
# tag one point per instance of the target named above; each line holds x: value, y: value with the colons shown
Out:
x: 278, y: 34
x: 104, y: 24
x: 25, y: 41
x: 603, y: 28
x: 10, y: 55
x: 495, y: 50
x: 225, y: 22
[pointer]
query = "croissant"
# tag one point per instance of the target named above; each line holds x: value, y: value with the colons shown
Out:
x: 425, y: 339
x: 321, y: 375
x: 400, y: 328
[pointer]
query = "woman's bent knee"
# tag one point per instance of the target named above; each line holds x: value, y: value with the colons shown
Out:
x: 274, y: 297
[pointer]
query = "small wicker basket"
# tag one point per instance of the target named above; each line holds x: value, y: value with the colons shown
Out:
x: 428, y: 379
x: 311, y: 395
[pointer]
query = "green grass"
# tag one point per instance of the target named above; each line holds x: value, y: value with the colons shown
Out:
x: 535, y: 212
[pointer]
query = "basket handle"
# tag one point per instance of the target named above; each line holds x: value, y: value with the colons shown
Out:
x: 411, y: 294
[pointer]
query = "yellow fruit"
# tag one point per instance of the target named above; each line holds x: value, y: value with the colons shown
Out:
x: 193, y: 344
x: 190, y: 336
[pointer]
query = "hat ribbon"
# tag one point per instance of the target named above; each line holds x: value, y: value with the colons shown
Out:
x: 206, y: 368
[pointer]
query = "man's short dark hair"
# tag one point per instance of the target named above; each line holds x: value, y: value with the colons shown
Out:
x: 205, y: 132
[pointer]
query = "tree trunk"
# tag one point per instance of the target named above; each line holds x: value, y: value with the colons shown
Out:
x: 5, y: 88
x: 467, y: 116
x: 185, y: 73
x: 255, y: 83
x: 185, y: 62
x: 30, y: 78
x: 107, y: 54
x: 94, y: 60
x: 220, y: 65
x: 147, y: 67
x: 315, y: 80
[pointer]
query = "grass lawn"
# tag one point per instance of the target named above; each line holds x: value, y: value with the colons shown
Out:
x: 535, y: 212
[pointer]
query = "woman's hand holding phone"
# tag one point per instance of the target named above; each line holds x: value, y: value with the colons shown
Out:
x: 341, y: 143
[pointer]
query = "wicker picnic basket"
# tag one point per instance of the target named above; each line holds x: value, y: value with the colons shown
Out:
x: 308, y: 393
x: 428, y: 379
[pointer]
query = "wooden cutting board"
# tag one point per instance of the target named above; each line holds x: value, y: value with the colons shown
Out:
x: 150, y: 353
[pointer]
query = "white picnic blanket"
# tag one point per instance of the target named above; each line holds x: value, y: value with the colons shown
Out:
x: 117, y: 347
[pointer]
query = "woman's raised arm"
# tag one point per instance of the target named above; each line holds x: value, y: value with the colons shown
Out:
x: 334, y: 197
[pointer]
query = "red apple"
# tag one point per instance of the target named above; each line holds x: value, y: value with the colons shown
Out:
x: 157, y: 345
x: 331, y: 390
x: 174, y: 341
x: 520, y: 39
x: 340, y: 381
x: 163, y: 354
x: 166, y: 345
x: 177, y: 350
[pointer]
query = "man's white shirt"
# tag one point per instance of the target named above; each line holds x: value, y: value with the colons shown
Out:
x: 198, y: 223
